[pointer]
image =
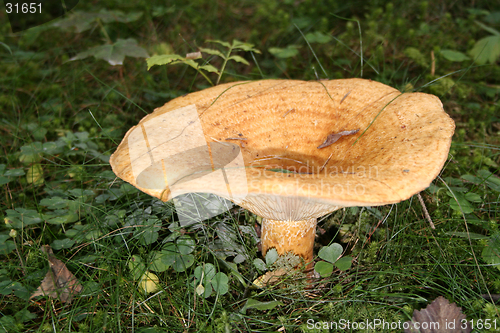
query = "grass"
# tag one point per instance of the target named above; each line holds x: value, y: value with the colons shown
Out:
x: 62, y: 119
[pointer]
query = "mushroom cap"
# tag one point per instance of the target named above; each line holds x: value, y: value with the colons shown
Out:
x: 256, y: 144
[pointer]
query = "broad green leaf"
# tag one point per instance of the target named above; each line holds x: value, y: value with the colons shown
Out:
x: 473, y: 197
x: 491, y: 253
x: 486, y: 49
x: 161, y: 261
x: 6, y: 245
x: 20, y: 217
x: 489, y: 29
x: 473, y: 179
x: 54, y: 203
x: 344, y: 263
x: 14, y: 172
x: 330, y: 253
x: 324, y: 268
x: 461, y: 204
x: 238, y: 59
x: 288, y: 52
x: 455, y: 56
x: 213, y: 52
x: 259, y: 264
x: 225, y: 44
x: 64, y: 216
x: 24, y: 315
x: 185, y: 244
x: 65, y: 243
x: 247, y: 47
x: 7, y: 287
x: 8, y: 176
x: 137, y: 267
x: 271, y: 256
x: 182, y: 262
x: 31, y: 153
x: 148, y: 232
x: 208, y: 272
x: 209, y: 68
x: 4, y: 180
x: 492, y: 181
x: 318, y: 37
x: 255, y: 304
x: 115, y: 53
x: 220, y: 283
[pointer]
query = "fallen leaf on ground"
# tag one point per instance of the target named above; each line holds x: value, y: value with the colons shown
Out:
x: 439, y: 316
x: 269, y: 278
x: 59, y: 282
x: 332, y: 138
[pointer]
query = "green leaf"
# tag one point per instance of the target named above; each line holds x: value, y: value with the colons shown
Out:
x: 213, y: 52
x: 35, y: 175
x: 331, y: 253
x: 455, y: 56
x: 255, y: 304
x: 259, y: 264
x: 492, y: 181
x: 318, y: 37
x: 486, y: 49
x: 182, y: 262
x: 288, y: 52
x: 148, y: 233
x: 115, y: 53
x: 473, y: 197
x: 220, y: 283
x: 185, y: 244
x: 7, y: 287
x: 247, y: 47
x: 64, y: 216
x: 225, y: 44
x: 324, y: 268
x: 6, y: 245
x: 161, y: 261
x: 473, y: 179
x: 31, y: 153
x: 238, y: 59
x: 208, y: 272
x: 65, y: 243
x: 8, y: 176
x: 344, y: 263
x: 491, y: 253
x: 208, y: 68
x: 20, y: 217
x: 54, y: 203
x: 461, y: 204
x: 271, y: 256
x: 489, y: 29
x: 137, y: 267
x: 14, y: 172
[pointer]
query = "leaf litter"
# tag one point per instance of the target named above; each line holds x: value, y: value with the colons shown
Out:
x: 59, y: 282
x: 439, y: 316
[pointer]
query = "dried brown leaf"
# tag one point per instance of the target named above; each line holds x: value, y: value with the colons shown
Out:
x: 332, y: 138
x: 269, y: 278
x: 439, y: 316
x: 59, y: 282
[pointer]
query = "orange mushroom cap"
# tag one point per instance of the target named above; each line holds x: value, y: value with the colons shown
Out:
x: 256, y: 144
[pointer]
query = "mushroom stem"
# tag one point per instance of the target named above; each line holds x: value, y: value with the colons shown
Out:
x: 290, y: 236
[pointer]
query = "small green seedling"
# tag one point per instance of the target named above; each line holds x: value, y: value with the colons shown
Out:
x: 331, y: 256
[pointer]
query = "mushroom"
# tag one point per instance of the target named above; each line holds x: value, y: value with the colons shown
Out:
x: 290, y: 151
